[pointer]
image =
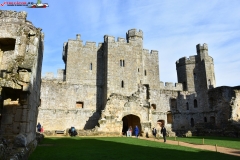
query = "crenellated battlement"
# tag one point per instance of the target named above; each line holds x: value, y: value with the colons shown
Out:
x: 170, y: 86
x: 90, y: 44
x: 123, y: 40
x: 203, y: 47
x: 132, y: 33
x: 185, y: 60
x: 50, y: 75
x: 151, y: 53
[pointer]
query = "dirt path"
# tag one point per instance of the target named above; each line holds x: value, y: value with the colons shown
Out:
x: 224, y: 150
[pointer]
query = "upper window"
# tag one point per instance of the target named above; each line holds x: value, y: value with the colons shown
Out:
x: 122, y: 63
x: 145, y: 72
x: 195, y: 103
x: 90, y: 66
x: 122, y: 84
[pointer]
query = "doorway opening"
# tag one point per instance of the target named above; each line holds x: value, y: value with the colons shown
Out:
x: 133, y: 121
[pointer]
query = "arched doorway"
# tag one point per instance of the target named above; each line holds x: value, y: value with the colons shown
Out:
x: 161, y: 123
x: 131, y: 120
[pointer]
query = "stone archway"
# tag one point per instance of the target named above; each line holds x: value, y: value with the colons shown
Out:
x: 131, y: 120
x: 161, y: 123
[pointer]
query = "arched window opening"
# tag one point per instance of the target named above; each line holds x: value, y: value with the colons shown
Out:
x: 192, y: 122
x: 138, y: 69
x: 122, y: 84
x: 210, y: 86
x: 187, y: 106
x: 145, y: 72
x: 209, y: 82
x: 205, y: 119
x: 169, y: 117
x: 161, y: 123
x: 195, y: 103
x: 90, y: 66
x: 121, y: 63
x: 153, y: 106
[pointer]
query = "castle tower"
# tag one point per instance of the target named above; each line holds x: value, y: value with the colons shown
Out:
x: 196, y: 73
x: 135, y: 37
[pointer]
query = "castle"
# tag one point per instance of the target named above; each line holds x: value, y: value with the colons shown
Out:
x: 114, y: 85
x: 103, y: 90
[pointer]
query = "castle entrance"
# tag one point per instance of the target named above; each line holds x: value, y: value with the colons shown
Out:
x: 133, y: 121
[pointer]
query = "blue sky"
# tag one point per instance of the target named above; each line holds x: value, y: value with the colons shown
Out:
x: 172, y: 27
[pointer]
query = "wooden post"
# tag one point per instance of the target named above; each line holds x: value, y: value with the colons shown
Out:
x: 178, y: 142
x: 216, y: 147
x: 203, y: 141
x: 175, y: 138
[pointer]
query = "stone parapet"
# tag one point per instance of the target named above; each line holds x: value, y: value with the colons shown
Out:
x: 170, y: 86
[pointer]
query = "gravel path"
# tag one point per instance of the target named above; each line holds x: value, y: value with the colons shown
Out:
x: 224, y: 150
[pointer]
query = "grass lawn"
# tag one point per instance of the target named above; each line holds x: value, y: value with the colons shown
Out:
x: 220, y: 141
x: 112, y: 148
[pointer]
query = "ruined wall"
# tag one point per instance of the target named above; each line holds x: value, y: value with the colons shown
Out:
x: 21, y: 52
x: 225, y: 102
x: 64, y: 105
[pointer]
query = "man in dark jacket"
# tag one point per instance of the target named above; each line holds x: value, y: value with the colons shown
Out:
x: 39, y: 127
x: 164, y: 133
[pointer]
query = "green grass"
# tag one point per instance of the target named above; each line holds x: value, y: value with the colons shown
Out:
x: 117, y: 148
x: 220, y: 141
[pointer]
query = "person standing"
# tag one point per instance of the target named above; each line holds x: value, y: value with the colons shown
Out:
x: 136, y: 130
x: 164, y: 133
x: 129, y: 132
x: 39, y: 127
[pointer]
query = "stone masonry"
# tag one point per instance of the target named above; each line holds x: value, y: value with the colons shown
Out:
x: 21, y: 53
x: 105, y: 89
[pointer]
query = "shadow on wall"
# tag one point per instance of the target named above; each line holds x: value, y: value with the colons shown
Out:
x: 93, y: 120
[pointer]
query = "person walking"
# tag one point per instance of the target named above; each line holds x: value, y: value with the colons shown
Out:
x: 154, y: 132
x: 136, y: 130
x: 164, y: 133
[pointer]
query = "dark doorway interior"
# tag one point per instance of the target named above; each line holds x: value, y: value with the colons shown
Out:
x: 161, y: 123
x: 133, y: 121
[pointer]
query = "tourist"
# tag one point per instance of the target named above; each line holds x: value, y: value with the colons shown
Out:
x: 72, y: 131
x: 39, y: 127
x: 154, y: 132
x: 129, y: 132
x: 136, y: 130
x: 164, y: 132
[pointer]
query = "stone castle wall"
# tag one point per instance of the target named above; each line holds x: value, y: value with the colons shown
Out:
x: 119, y: 81
x: 21, y: 53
